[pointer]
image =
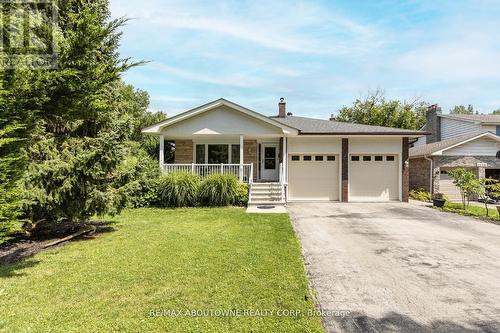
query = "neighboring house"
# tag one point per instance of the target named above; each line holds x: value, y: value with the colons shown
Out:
x: 289, y: 158
x: 455, y: 140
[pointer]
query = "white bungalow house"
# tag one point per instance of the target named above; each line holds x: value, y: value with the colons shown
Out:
x: 289, y: 158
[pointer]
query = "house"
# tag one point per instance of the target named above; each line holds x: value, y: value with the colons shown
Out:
x: 470, y: 141
x: 289, y: 158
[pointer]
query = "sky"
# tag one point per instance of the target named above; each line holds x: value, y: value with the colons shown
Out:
x: 318, y: 55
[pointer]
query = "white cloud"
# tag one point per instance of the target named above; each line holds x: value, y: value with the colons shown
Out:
x: 236, y: 80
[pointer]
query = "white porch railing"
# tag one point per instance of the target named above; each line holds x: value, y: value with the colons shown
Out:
x: 243, y: 172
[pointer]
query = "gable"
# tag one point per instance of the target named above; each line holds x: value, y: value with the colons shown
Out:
x: 221, y: 120
x: 483, y: 146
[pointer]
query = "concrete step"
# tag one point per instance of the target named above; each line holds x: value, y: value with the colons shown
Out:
x: 266, y: 190
x: 263, y: 196
x: 255, y: 203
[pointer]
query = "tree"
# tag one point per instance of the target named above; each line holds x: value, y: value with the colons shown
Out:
x: 461, y: 109
x: 497, y: 111
x: 485, y: 189
x: 83, y: 158
x: 374, y: 109
x: 465, y: 180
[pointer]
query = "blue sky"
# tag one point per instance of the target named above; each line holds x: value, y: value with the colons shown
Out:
x: 319, y: 55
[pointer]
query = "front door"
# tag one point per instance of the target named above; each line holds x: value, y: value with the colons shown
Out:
x: 269, y: 162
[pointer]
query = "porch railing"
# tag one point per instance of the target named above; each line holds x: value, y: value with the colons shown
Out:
x: 243, y: 172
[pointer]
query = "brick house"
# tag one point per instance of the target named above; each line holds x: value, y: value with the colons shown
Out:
x: 454, y: 140
x: 289, y: 158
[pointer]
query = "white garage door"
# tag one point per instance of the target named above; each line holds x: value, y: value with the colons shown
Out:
x: 373, y: 177
x: 313, y: 177
x: 447, y: 187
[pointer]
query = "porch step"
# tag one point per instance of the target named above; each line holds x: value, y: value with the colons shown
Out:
x: 266, y: 193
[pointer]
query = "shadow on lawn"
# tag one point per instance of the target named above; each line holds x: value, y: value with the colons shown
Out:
x: 16, y: 250
x: 396, y: 322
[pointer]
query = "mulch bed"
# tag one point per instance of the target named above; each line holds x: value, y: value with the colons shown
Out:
x: 22, y: 246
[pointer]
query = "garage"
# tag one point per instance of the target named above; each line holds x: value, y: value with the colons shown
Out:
x: 373, y: 177
x: 447, y: 187
x: 313, y: 177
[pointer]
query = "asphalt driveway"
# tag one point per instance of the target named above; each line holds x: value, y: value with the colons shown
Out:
x: 400, y: 267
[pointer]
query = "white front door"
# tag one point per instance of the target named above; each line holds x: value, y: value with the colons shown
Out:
x: 269, y: 164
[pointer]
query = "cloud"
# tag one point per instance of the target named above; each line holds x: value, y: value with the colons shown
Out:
x: 235, y: 80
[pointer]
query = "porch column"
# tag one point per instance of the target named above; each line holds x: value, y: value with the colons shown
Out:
x: 285, y: 160
x: 241, y: 159
x: 161, y: 157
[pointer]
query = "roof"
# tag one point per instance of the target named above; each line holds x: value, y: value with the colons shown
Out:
x: 321, y: 126
x: 157, y: 128
x: 478, y: 118
x: 435, y: 147
x: 290, y: 124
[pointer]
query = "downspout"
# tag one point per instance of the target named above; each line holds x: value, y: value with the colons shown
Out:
x: 431, y: 173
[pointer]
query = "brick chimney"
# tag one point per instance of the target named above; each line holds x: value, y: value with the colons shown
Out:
x: 282, y: 108
x: 433, y: 124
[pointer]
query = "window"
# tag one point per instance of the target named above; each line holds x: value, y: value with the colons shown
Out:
x: 389, y: 158
x: 200, y: 154
x: 330, y: 158
x: 367, y: 158
x: 379, y: 158
x: 307, y: 158
x: 354, y: 158
x: 295, y: 158
x: 269, y: 158
x: 218, y: 154
x: 498, y: 154
x: 235, y: 154
x: 318, y: 158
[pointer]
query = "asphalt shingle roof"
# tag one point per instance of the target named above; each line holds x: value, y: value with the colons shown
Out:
x: 482, y: 118
x: 321, y: 126
x: 428, y: 149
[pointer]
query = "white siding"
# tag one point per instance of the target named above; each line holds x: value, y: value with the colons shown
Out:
x: 420, y: 141
x: 489, y: 128
x: 221, y: 121
x: 307, y: 145
x: 479, y: 147
x: 374, y: 145
x: 451, y: 128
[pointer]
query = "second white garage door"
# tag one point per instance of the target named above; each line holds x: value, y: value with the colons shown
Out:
x: 373, y: 177
x: 313, y: 177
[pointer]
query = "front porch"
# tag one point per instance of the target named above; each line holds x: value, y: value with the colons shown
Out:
x: 248, y: 159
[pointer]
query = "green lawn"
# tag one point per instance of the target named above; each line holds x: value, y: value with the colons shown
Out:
x: 472, y: 210
x: 186, y: 259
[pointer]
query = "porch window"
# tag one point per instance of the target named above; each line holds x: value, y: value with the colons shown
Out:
x: 235, y: 154
x: 218, y: 154
x: 200, y: 154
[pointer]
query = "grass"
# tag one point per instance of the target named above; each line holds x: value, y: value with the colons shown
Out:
x: 184, y: 259
x: 471, y: 210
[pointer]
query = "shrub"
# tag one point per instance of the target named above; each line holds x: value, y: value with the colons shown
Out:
x: 178, y: 189
x: 241, y: 195
x: 218, y: 190
x: 420, y: 195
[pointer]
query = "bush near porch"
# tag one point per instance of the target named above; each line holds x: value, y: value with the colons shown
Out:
x: 185, y: 259
x: 185, y: 189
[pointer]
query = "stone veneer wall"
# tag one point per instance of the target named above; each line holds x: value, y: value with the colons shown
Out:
x: 420, y: 174
x: 183, y: 151
x: 419, y: 168
x: 250, y: 155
